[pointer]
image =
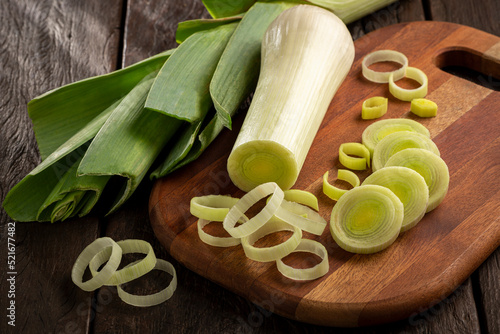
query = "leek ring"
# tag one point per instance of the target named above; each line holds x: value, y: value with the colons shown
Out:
x: 410, y: 94
x: 381, y: 56
x: 319, y: 270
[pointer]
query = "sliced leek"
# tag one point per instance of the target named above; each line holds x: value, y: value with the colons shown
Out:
x: 105, y: 274
x: 292, y: 95
x: 131, y: 272
x: 302, y: 217
x: 409, y: 94
x: 374, y: 107
x: 306, y: 274
x: 423, y: 107
x: 272, y: 253
x: 156, y: 298
x: 362, y: 159
x: 430, y: 166
x: 409, y: 186
x: 238, y: 210
x: 212, y: 207
x: 214, y: 240
x: 302, y: 197
x: 342, y: 174
x: 382, y: 56
x: 398, y: 141
x: 376, y: 131
x: 366, y: 219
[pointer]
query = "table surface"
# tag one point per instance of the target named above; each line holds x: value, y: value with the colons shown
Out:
x: 47, y: 43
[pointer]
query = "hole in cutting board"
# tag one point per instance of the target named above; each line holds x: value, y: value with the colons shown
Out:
x: 470, y: 65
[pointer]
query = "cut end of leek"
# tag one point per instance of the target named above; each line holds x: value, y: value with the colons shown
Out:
x: 366, y: 219
x: 258, y: 162
x: 432, y: 167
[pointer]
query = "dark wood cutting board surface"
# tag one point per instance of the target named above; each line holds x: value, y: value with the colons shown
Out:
x: 426, y: 263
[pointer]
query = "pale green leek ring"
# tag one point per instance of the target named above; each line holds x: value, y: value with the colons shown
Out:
x: 381, y: 56
x: 410, y: 94
x: 319, y: 270
x: 244, y: 203
x: 302, y: 217
x: 156, y: 298
x: 105, y: 273
x: 213, y: 240
x: 356, y: 163
x: 132, y: 272
x: 342, y: 174
x: 211, y: 207
x: 273, y: 253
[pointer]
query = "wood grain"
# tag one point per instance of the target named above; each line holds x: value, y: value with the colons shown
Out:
x: 390, y: 285
x: 45, y: 44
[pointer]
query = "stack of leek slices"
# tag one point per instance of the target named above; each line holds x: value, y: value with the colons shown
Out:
x: 409, y: 179
x: 290, y: 210
x: 108, y: 252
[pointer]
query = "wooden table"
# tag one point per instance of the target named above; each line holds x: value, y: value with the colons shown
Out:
x: 47, y: 43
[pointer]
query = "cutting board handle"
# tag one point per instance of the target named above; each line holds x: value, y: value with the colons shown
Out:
x: 486, y: 65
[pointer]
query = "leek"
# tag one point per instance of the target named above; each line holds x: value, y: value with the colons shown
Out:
x: 376, y: 131
x: 352, y: 10
x: 409, y: 186
x: 398, y: 141
x: 430, y: 166
x: 306, y: 274
x: 366, y: 219
x: 410, y: 94
x: 306, y: 54
x: 342, y: 174
x: 362, y: 159
x: 374, y: 107
x: 423, y: 107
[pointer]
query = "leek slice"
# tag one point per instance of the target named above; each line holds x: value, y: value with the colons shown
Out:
x: 430, y: 166
x: 156, y: 298
x: 357, y: 163
x: 409, y: 186
x: 302, y: 217
x: 181, y: 88
x: 409, y: 94
x: 292, y: 95
x: 398, y: 141
x: 374, y: 107
x: 212, y: 207
x: 376, y: 131
x: 83, y: 260
x: 131, y: 272
x: 235, y: 77
x: 306, y: 274
x: 366, y: 219
x: 302, y: 197
x: 237, y: 211
x: 423, y: 107
x: 273, y: 253
x: 342, y: 174
x: 381, y: 56
x: 213, y: 240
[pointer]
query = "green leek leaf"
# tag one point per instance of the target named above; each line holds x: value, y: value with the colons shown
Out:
x: 181, y: 89
x: 129, y: 141
x: 60, y: 113
x: 225, y: 8
x: 188, y: 28
x: 238, y: 69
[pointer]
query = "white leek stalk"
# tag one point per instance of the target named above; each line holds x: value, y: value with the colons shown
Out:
x: 306, y: 54
x: 351, y: 10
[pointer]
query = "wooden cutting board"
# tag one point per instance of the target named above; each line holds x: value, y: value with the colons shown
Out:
x: 426, y: 263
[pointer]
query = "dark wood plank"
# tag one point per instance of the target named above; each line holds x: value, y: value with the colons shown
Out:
x: 485, y: 16
x: 45, y: 44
